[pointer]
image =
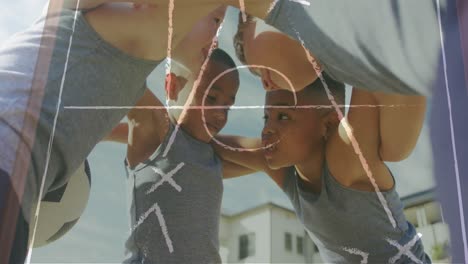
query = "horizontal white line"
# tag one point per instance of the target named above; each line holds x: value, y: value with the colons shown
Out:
x: 229, y: 107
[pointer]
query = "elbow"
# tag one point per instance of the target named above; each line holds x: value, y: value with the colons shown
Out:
x: 394, y: 154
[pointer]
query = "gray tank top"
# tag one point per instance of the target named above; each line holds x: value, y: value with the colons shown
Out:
x: 349, y: 226
x: 97, y: 74
x: 175, y: 203
x: 388, y: 46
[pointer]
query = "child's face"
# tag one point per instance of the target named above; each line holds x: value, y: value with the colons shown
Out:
x: 221, y: 94
x: 194, y: 47
x: 294, y: 133
x: 278, y: 51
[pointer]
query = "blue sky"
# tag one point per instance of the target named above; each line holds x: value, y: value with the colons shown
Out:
x: 100, y: 234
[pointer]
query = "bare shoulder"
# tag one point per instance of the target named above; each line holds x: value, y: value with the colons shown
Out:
x: 136, y: 31
x: 148, y: 126
x: 352, y: 151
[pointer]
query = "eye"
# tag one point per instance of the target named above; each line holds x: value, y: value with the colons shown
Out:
x: 211, y: 98
x: 283, y: 116
x: 265, y: 118
x: 217, y: 20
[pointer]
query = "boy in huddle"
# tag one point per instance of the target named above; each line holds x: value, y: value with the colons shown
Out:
x: 309, y: 153
x: 173, y: 171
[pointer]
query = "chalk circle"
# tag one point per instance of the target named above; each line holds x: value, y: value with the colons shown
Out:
x: 221, y: 75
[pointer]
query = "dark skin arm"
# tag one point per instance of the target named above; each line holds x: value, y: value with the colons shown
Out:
x: 149, y: 127
x: 381, y: 133
x: 254, y: 160
x: 119, y: 134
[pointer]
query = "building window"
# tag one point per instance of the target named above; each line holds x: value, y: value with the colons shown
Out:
x: 300, y: 245
x: 316, y: 250
x: 246, y: 246
x: 288, y: 241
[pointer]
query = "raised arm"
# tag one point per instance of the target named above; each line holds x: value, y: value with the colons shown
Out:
x: 252, y: 160
x: 147, y: 128
x: 380, y: 134
x: 88, y: 4
x: 258, y: 8
x: 233, y: 170
x: 400, y: 121
x: 119, y: 134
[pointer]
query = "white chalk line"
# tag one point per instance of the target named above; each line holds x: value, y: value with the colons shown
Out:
x: 452, y: 134
x: 355, y: 251
x: 348, y: 129
x: 155, y: 208
x: 236, y: 107
x: 405, y: 250
x: 51, y: 140
x: 166, y: 177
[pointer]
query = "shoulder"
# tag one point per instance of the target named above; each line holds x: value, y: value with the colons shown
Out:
x: 128, y: 28
x: 352, y: 164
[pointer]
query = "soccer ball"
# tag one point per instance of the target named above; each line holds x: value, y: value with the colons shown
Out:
x: 62, y: 208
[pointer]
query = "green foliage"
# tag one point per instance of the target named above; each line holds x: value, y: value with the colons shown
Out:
x: 440, y: 251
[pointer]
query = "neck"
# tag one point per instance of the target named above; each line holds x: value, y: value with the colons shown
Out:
x: 310, y: 169
x: 195, y: 133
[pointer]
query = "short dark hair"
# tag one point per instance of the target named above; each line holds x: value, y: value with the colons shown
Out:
x: 318, y: 92
x: 221, y: 56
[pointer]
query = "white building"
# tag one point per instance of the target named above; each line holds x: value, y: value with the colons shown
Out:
x: 426, y: 215
x: 270, y: 233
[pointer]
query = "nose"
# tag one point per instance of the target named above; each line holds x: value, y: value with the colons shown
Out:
x: 267, y: 132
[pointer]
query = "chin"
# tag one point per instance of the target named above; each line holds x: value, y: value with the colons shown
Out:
x: 274, y: 165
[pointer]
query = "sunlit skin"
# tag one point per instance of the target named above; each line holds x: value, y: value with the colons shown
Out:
x: 193, y: 49
x: 222, y: 93
x: 278, y: 51
x: 142, y: 31
x: 147, y: 129
x: 296, y: 135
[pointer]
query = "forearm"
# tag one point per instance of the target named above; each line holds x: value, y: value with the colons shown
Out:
x: 232, y: 170
x: 119, y: 134
x: 258, y: 8
x: 241, y: 150
x: 87, y: 4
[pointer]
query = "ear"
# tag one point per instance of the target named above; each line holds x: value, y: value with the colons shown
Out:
x: 174, y: 84
x: 330, y: 123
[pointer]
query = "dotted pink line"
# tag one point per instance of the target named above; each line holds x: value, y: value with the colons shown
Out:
x: 349, y: 133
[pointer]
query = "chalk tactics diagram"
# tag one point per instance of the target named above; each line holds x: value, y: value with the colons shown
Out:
x: 168, y: 178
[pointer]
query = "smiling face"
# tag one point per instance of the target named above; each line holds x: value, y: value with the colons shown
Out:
x: 221, y: 94
x: 274, y: 50
x: 292, y: 134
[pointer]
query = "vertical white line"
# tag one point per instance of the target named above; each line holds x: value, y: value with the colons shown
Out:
x: 452, y: 134
x: 170, y: 30
x: 51, y: 139
x: 348, y: 130
x: 242, y: 9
